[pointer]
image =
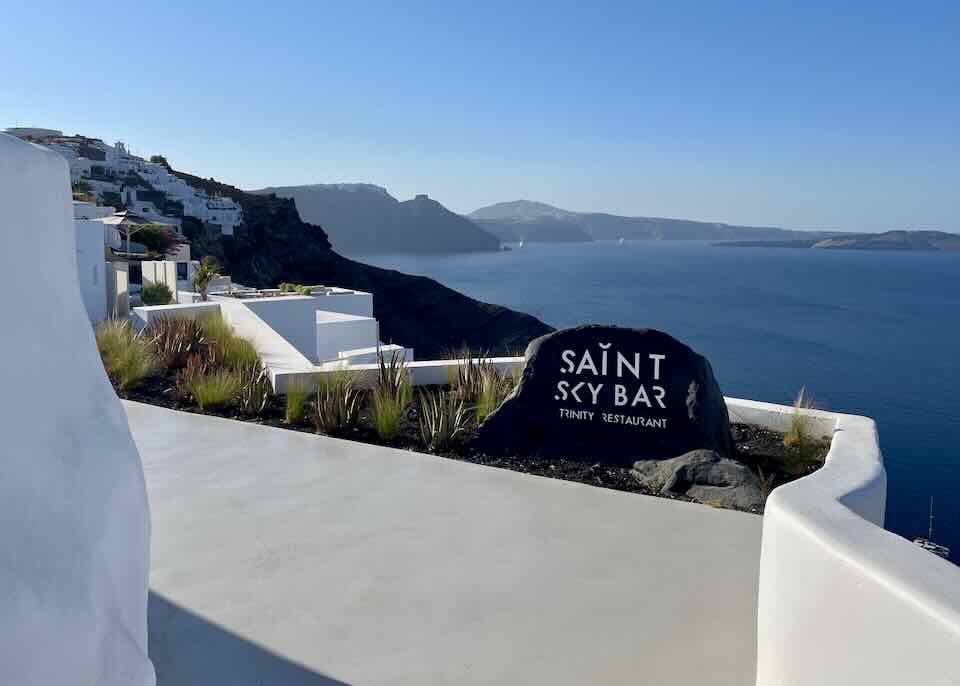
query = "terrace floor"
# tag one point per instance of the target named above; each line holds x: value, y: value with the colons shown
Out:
x: 284, y: 558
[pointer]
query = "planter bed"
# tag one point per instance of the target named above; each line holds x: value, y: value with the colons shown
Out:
x: 761, y: 449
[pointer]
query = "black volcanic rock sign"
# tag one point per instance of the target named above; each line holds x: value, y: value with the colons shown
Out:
x: 610, y: 394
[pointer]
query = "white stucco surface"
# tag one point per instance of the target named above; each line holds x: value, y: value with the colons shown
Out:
x: 74, y: 524
x: 287, y: 558
x: 91, y: 267
x: 337, y: 332
x: 843, y: 601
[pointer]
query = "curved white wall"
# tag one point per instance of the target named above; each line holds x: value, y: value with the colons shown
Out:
x: 74, y: 523
x: 842, y: 601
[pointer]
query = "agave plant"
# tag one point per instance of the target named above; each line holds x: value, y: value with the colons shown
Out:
x: 338, y: 402
x: 391, y: 397
x: 443, y: 419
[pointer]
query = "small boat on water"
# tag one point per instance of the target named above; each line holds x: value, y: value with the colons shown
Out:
x: 928, y: 544
x: 520, y: 244
x: 621, y: 240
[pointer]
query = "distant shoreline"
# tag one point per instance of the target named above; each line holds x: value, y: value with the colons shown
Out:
x: 889, y: 241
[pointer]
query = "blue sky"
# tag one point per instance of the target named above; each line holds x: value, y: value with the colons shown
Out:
x: 804, y: 115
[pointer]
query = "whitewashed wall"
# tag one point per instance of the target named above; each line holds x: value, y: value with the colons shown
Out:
x: 337, y: 332
x: 74, y: 522
x: 91, y: 267
x: 842, y: 601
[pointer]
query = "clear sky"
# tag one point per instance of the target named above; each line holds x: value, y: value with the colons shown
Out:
x: 840, y: 115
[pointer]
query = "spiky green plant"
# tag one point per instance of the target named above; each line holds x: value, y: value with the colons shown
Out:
x: 127, y: 358
x: 443, y: 419
x: 215, y: 390
x: 391, y: 396
x: 197, y: 365
x: 338, y: 402
x: 239, y: 354
x: 296, y: 402
x: 174, y: 340
x: 254, y: 390
x: 467, y: 379
x: 494, y: 388
x: 215, y: 328
x: 804, y: 448
x: 206, y: 273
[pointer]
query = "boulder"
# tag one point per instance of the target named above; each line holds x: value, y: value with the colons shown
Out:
x: 609, y: 394
x: 705, y: 476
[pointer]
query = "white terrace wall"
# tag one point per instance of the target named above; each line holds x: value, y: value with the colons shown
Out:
x: 422, y: 373
x: 292, y: 317
x: 145, y: 315
x: 336, y: 332
x: 841, y: 600
x: 278, y: 354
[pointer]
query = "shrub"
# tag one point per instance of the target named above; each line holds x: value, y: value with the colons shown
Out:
x: 156, y: 294
x: 287, y: 287
x: 254, y: 391
x: 217, y: 389
x: 297, y: 394
x: 338, y: 402
x: 126, y: 357
x: 304, y: 290
x: 157, y: 239
x: 174, y: 340
x: 443, y: 419
x: 494, y: 389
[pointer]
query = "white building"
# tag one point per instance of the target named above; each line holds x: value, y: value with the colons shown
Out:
x: 107, y: 168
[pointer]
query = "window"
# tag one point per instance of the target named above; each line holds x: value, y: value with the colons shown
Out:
x: 181, y: 271
x: 135, y: 274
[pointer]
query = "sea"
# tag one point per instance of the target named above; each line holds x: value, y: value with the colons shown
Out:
x: 870, y: 333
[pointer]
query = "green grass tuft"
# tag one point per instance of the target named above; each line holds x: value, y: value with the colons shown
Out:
x: 215, y: 390
x: 127, y: 357
x: 296, y: 403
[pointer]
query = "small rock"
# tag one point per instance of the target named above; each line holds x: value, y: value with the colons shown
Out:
x: 704, y: 476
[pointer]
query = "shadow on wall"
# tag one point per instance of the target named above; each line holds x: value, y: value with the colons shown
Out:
x: 189, y: 650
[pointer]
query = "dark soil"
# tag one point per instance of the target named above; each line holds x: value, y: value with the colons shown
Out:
x: 759, y: 448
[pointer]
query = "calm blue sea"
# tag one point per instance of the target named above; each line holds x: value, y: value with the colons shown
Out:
x: 868, y: 333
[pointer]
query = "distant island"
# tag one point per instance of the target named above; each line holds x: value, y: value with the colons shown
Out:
x: 526, y: 220
x: 888, y: 240
x: 362, y: 219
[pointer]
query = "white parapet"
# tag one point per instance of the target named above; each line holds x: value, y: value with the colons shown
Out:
x: 74, y: 521
x: 842, y: 601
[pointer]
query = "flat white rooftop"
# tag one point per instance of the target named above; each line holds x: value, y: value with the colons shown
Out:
x: 286, y: 558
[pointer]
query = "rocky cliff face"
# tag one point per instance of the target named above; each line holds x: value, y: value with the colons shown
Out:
x: 365, y: 219
x: 274, y: 245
